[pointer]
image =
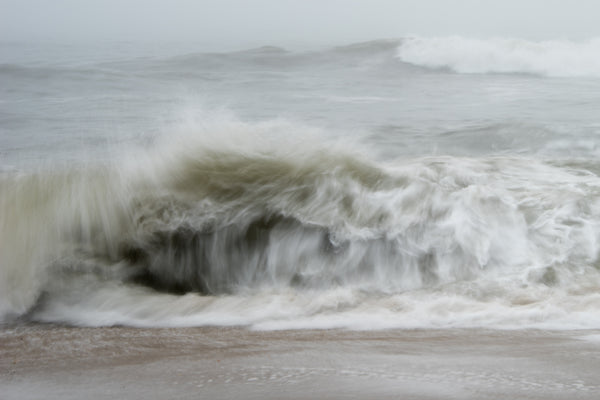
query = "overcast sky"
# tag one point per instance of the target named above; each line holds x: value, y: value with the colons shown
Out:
x: 293, y: 22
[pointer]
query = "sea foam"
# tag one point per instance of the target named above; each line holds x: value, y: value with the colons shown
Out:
x: 557, y: 58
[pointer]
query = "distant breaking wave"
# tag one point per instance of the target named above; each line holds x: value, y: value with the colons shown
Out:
x: 557, y: 58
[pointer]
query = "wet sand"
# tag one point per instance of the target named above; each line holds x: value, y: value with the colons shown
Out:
x: 54, y: 362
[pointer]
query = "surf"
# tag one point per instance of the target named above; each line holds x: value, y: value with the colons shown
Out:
x: 245, y: 225
x: 553, y: 58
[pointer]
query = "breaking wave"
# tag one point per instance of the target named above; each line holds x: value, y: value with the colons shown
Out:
x: 557, y: 58
x: 240, y: 225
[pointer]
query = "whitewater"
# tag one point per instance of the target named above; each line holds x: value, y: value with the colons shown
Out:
x: 405, y: 183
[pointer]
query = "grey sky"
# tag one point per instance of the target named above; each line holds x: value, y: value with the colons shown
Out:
x: 289, y: 22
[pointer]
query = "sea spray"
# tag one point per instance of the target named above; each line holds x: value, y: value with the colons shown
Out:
x: 239, y: 225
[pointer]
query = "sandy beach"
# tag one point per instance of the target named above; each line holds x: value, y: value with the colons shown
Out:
x: 54, y: 362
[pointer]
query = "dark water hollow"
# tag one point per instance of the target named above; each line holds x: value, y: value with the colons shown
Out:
x: 215, y: 261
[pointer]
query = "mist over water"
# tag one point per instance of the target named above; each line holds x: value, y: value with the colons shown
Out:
x: 411, y: 182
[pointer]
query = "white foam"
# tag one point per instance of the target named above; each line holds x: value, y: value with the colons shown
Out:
x: 557, y: 58
x: 590, y: 338
x: 336, y: 308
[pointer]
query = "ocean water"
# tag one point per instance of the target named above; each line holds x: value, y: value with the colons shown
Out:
x: 407, y: 183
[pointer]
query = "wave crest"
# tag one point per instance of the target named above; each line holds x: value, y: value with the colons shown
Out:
x: 557, y: 58
x: 242, y: 216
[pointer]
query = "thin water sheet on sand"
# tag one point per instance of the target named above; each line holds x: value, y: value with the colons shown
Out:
x: 52, y: 362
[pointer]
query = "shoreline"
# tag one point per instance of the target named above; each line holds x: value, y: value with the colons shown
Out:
x: 58, y: 362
